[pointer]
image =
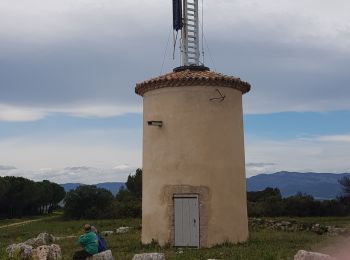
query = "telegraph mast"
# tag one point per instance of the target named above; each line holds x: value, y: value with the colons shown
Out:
x: 186, y: 19
x: 197, y: 201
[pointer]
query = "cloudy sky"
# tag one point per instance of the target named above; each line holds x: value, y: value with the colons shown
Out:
x: 68, y: 68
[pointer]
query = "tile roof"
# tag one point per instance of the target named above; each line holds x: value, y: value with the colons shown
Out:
x: 191, y: 77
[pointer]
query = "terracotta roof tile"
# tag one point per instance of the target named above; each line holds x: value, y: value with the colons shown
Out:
x: 185, y: 78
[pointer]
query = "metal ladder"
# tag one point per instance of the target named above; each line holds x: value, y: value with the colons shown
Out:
x: 190, y: 33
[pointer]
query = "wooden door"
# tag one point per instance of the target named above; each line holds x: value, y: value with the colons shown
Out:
x: 186, y: 213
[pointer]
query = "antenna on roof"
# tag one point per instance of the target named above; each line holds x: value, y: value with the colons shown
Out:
x: 186, y: 19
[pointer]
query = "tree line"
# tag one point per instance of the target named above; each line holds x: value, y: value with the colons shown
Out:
x: 93, y: 202
x: 22, y: 197
x: 270, y: 203
x: 90, y: 202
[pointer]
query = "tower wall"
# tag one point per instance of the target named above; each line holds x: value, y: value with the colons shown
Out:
x: 198, y: 150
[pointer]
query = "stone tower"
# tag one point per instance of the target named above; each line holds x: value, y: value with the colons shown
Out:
x: 194, y: 187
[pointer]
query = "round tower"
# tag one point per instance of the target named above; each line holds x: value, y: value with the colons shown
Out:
x: 194, y: 186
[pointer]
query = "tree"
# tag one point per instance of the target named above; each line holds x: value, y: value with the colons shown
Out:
x: 267, y: 202
x: 58, y: 193
x: 128, y: 202
x: 20, y: 196
x: 267, y: 194
x: 4, y: 188
x: 302, y: 205
x: 49, y: 195
x: 127, y: 205
x: 134, y: 184
x: 88, y: 202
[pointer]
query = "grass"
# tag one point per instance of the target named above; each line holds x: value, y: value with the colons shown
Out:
x: 4, y: 222
x: 262, y: 244
x: 327, y: 221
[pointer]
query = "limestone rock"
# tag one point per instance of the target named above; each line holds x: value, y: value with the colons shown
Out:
x: 105, y: 255
x: 122, y: 230
x: 294, y: 226
x: 40, y: 240
x: 19, y: 251
x: 30, y: 241
x: 318, y: 229
x: 66, y: 237
x: 25, y: 251
x: 335, y: 231
x: 149, y: 256
x: 305, y: 255
x: 45, y: 252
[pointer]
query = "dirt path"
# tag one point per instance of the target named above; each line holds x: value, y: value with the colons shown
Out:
x: 26, y: 222
x: 337, y: 247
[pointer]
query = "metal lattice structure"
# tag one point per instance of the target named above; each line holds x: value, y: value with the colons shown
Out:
x: 190, y: 33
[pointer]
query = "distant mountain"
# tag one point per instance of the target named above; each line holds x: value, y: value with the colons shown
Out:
x: 319, y: 185
x: 70, y: 186
x: 113, y: 187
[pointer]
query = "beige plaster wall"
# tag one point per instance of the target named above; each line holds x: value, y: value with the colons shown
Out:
x: 200, y: 144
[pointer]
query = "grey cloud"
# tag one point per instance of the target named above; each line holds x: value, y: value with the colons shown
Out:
x: 86, y: 175
x: 291, y: 68
x: 283, y: 78
x: 79, y: 168
x: 260, y: 167
x: 7, y: 168
x: 65, y: 79
x: 287, y: 78
x: 290, y: 154
x: 259, y: 164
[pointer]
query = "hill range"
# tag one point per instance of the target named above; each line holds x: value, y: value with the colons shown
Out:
x: 319, y: 185
x: 113, y: 187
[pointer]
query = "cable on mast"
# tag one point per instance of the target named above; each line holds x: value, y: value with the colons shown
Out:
x: 175, y: 40
x: 211, y: 57
x: 165, y: 51
x: 203, y: 32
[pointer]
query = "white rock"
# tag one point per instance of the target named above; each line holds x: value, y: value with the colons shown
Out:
x: 62, y: 238
x: 45, y: 252
x: 19, y: 251
x: 30, y: 241
x: 334, y: 231
x: 40, y: 240
x: 122, y: 230
x: 149, y: 256
x: 305, y: 255
x: 105, y: 255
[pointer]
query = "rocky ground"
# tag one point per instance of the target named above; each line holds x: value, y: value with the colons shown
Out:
x: 294, y: 226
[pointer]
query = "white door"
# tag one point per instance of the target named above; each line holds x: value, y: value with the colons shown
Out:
x: 186, y: 221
